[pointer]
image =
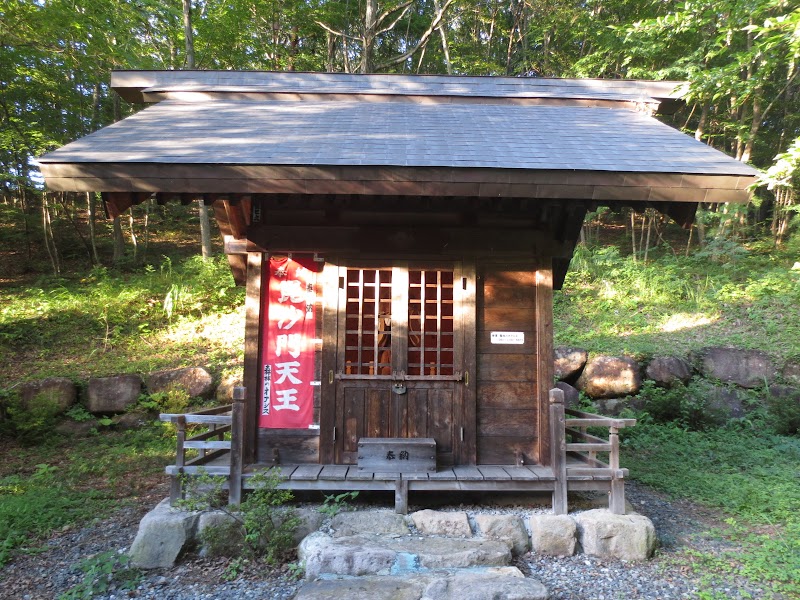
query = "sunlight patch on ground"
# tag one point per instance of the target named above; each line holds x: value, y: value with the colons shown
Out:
x: 681, y: 321
x: 223, y: 328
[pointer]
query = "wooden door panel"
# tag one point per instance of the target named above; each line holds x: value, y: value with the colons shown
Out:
x: 441, y: 425
x: 403, y: 323
x: 352, y: 423
x: 377, y: 416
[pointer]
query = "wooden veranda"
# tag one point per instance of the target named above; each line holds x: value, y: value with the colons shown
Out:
x: 580, y: 461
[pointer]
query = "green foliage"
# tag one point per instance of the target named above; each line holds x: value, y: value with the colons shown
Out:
x: 261, y: 527
x: 109, y: 322
x: 37, y: 504
x: 613, y: 304
x: 336, y: 503
x: 78, y: 413
x: 92, y: 477
x: 100, y: 573
x: 784, y: 413
x: 749, y: 474
x: 33, y: 421
x: 173, y: 400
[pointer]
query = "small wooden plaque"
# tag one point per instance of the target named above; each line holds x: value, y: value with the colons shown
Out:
x: 397, y: 455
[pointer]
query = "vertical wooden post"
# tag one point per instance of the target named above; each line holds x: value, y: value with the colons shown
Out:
x: 237, y: 439
x: 176, y: 489
x: 616, y: 499
x: 401, y: 495
x: 558, y: 449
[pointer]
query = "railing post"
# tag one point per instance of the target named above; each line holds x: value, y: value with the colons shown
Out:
x: 176, y: 489
x: 616, y: 499
x: 237, y: 442
x: 558, y: 447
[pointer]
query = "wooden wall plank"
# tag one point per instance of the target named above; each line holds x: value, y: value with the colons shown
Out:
x: 507, y: 394
x: 506, y: 422
x: 502, y: 450
x: 506, y: 367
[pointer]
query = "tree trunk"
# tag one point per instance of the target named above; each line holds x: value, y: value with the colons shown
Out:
x: 188, y: 33
x: 134, y: 241
x: 755, y: 124
x: 205, y: 229
x: 49, y: 238
x: 701, y: 124
x: 91, y: 210
x: 119, y: 242
x: 445, y: 48
x: 370, y: 28
x: 331, y: 52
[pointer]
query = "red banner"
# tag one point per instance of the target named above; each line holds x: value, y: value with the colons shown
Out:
x: 287, y: 399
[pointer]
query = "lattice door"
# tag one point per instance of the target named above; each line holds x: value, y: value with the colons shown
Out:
x: 400, y: 364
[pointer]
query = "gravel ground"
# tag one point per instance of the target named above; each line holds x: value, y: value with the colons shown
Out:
x: 50, y: 569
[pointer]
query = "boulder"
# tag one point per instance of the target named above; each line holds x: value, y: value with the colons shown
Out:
x: 115, y: 394
x: 723, y: 404
x: 791, y: 372
x: 611, y: 407
x: 505, y: 528
x: 568, y: 362
x: 352, y: 556
x: 610, y: 376
x: 669, y: 370
x: 310, y: 521
x: 164, y: 534
x: 553, y: 535
x: 369, y: 521
x: 129, y: 420
x: 745, y: 368
x: 58, y: 391
x: 480, y: 586
x: 434, y: 522
x: 195, y: 381
x: 72, y: 428
x: 450, y: 553
x: 624, y: 537
x: 507, y: 583
x: 224, y: 392
x: 785, y: 391
x: 219, y: 534
x: 572, y: 397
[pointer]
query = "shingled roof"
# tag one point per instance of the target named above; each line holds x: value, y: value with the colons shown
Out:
x: 455, y: 136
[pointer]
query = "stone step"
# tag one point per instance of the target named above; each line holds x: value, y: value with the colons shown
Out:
x: 366, y: 554
x: 484, y: 583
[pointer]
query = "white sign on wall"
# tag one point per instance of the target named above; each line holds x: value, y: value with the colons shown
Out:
x: 508, y: 337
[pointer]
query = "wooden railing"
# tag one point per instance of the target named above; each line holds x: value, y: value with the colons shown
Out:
x: 578, y: 454
x: 210, y: 445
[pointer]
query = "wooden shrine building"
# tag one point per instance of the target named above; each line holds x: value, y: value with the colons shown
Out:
x: 400, y: 238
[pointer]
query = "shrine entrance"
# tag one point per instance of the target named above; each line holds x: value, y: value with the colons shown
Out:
x: 402, y: 356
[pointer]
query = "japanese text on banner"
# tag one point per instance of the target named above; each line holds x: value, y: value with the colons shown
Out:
x: 287, y: 399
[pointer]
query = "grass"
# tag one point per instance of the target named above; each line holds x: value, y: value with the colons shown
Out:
x: 749, y: 298
x: 66, y: 482
x: 750, y: 475
x: 105, y: 322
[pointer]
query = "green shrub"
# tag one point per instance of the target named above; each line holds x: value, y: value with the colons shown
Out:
x: 784, y: 413
x: 33, y: 421
x: 261, y: 527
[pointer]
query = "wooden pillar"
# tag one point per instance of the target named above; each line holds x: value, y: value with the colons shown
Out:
x: 252, y: 349
x: 237, y: 439
x: 176, y: 487
x: 616, y: 499
x: 558, y: 447
x: 544, y: 356
x: 401, y: 495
